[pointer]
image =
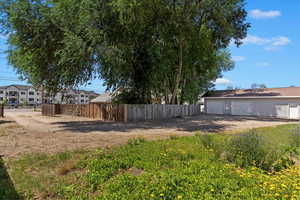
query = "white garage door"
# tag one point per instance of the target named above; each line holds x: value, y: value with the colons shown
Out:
x: 294, y: 112
x: 242, y: 108
x: 215, y: 107
x: 282, y: 111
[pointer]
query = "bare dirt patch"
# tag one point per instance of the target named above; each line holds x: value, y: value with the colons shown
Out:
x: 32, y: 132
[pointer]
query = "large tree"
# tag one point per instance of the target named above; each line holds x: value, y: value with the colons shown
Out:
x: 152, y: 49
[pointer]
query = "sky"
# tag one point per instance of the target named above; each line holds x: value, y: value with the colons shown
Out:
x: 270, y: 54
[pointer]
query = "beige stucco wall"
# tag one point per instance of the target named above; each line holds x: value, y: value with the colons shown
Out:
x: 270, y: 107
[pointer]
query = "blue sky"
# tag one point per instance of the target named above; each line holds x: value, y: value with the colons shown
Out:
x: 270, y: 54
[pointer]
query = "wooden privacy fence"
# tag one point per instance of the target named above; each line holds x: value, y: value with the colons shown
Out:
x: 50, y: 109
x: 159, y: 111
x: 104, y: 112
x: 122, y: 112
x: 1, y: 110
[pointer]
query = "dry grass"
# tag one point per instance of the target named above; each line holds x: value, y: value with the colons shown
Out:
x: 67, y: 167
x: 52, y: 135
x: 8, y: 127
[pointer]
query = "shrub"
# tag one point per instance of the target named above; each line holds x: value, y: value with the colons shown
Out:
x: 174, y: 137
x: 136, y: 141
x: 295, y: 141
x: 250, y: 149
x: 246, y: 149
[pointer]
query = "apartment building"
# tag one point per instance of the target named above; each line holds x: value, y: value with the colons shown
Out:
x: 15, y: 95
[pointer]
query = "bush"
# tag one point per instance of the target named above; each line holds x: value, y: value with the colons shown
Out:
x: 246, y: 150
x: 250, y: 149
x: 295, y: 141
x: 136, y: 141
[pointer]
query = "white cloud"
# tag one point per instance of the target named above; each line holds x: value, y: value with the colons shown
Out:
x: 281, y: 41
x: 252, y: 39
x: 271, y: 44
x: 238, y: 58
x: 271, y: 48
x: 222, y: 81
x: 263, y: 64
x: 259, y: 14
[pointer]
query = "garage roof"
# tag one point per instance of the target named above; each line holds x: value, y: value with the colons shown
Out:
x: 253, y: 93
x: 103, y: 98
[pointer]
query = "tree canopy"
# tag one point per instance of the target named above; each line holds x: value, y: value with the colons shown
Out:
x: 154, y: 50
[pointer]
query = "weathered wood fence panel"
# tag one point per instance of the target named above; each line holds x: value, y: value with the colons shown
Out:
x: 104, y: 112
x: 160, y: 112
x: 1, y: 110
x: 50, y: 109
x: 123, y: 112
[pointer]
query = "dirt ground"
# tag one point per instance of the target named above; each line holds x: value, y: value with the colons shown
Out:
x: 29, y: 132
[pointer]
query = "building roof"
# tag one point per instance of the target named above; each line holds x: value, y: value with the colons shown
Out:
x: 103, y: 98
x: 266, y: 92
x: 20, y: 87
x: 26, y: 87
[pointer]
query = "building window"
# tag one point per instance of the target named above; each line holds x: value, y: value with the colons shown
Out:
x: 1, y: 92
x: 37, y: 100
x: 38, y: 93
x: 13, y: 93
x: 1, y: 98
x: 82, y: 101
x: 31, y: 93
x: 82, y: 96
x: 31, y: 99
x: 22, y: 93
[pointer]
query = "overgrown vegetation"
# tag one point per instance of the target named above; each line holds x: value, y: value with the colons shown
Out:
x: 199, y: 167
x: 253, y: 149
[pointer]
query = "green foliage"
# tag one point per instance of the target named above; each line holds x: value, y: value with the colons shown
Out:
x: 5, y: 101
x: 155, y: 50
x: 7, y: 190
x: 136, y: 141
x: 24, y: 103
x: 252, y: 149
x: 181, y: 168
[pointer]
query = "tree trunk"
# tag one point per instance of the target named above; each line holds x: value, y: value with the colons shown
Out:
x: 179, y: 74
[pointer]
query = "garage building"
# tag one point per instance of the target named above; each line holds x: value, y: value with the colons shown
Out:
x: 270, y: 102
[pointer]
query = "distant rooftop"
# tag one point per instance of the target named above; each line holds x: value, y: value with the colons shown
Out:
x: 20, y: 87
x: 26, y: 87
x: 103, y: 98
x: 265, y: 92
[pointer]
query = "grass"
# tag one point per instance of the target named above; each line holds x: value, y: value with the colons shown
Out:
x: 177, y: 168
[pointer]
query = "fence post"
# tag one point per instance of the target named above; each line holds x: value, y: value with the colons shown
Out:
x: 125, y: 113
x: 1, y: 110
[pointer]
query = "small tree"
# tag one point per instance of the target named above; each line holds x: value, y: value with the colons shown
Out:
x: 24, y: 103
x: 5, y: 101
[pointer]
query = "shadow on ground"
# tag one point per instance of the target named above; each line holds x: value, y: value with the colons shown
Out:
x: 187, y: 124
x: 207, y: 123
x: 5, y: 122
x: 7, y: 189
